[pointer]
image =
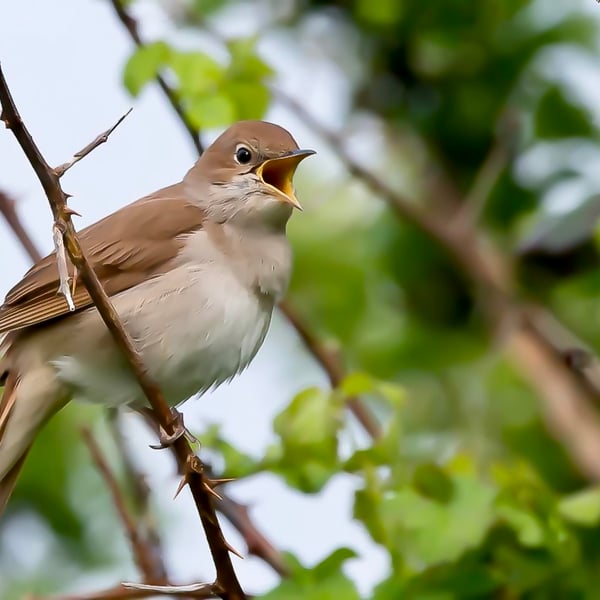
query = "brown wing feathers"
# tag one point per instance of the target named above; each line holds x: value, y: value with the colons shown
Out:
x: 137, y: 242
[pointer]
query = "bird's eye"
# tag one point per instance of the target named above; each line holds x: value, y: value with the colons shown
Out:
x: 243, y: 155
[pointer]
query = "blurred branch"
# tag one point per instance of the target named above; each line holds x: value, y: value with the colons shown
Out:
x: 7, y: 208
x: 146, y: 556
x: 489, y: 172
x: 328, y: 360
x: 132, y: 28
x: 226, y: 583
x: 256, y: 543
x: 139, y: 488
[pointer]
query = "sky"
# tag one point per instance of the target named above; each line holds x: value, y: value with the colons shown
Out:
x: 63, y: 62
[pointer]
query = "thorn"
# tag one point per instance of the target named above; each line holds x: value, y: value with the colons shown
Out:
x: 233, y: 550
x: 67, y: 195
x: 213, y: 483
x: 211, y: 491
x: 184, y: 481
x: 70, y: 211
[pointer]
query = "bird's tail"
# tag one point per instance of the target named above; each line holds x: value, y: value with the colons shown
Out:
x: 25, y: 406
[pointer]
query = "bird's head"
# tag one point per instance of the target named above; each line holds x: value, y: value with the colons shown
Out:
x: 246, y: 175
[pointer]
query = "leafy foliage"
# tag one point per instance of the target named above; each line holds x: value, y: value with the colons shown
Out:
x: 212, y: 94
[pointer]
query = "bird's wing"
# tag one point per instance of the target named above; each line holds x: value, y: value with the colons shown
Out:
x: 126, y: 248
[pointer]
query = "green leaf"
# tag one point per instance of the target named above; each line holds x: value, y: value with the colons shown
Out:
x: 582, y: 508
x: 197, y: 73
x: 251, y: 99
x: 245, y: 64
x: 215, y: 110
x: 144, y: 65
x: 426, y: 531
x: 308, y: 430
x: 357, y: 384
x: 433, y: 482
x: 528, y: 527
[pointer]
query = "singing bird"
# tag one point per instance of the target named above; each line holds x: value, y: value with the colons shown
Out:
x: 194, y: 271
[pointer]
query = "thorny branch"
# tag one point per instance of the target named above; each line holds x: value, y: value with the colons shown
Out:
x: 328, y: 359
x: 226, y: 584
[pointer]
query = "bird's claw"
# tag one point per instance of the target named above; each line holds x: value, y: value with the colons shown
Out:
x: 179, y: 430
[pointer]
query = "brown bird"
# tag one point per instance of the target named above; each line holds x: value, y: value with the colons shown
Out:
x: 194, y: 271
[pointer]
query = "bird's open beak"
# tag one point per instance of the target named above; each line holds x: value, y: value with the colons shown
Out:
x: 277, y: 174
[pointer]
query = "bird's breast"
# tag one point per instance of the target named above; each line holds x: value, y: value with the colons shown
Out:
x: 199, y: 328
x: 196, y: 325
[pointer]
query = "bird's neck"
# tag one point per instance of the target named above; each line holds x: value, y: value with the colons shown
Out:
x: 261, y: 258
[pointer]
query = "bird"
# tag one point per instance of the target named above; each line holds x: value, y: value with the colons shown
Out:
x: 194, y: 271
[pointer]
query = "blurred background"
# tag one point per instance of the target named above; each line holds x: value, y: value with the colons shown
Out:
x: 423, y: 420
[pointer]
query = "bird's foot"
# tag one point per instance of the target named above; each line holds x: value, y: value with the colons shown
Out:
x: 179, y: 430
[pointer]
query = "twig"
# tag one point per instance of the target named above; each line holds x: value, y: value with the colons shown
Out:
x: 131, y: 25
x: 490, y: 170
x: 226, y: 583
x: 173, y: 590
x: 328, y: 361
x: 148, y: 562
x: 123, y: 593
x: 7, y: 208
x: 101, y: 139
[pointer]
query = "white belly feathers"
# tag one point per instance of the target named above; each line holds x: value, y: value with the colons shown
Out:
x: 196, y: 327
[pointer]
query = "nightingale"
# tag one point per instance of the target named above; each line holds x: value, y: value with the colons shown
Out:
x: 193, y: 270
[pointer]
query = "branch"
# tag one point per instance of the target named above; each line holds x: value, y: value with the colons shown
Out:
x: 328, y: 361
x: 147, y: 560
x: 189, y: 464
x: 237, y: 514
x: 7, y: 208
x: 490, y: 170
x: 101, y: 139
x: 121, y: 592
